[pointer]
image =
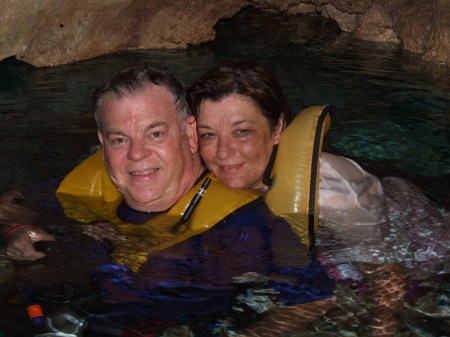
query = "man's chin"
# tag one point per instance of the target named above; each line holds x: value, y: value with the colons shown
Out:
x: 140, y: 203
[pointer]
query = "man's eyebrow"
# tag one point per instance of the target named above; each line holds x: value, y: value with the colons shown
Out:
x: 148, y: 127
x: 120, y: 133
x: 155, y: 125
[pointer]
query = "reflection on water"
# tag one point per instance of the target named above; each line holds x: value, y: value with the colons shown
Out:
x: 393, y: 116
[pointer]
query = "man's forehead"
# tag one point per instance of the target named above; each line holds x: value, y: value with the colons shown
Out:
x: 149, y: 92
x: 140, y: 113
x: 153, y: 100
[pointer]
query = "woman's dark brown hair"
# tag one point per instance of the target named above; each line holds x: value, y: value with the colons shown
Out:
x: 245, y: 78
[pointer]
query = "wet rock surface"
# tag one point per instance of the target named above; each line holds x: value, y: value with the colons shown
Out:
x: 51, y: 32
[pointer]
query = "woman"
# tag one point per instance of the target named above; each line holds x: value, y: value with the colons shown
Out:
x: 241, y: 113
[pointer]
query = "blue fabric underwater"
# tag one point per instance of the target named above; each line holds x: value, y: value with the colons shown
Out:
x: 202, y: 276
x: 215, y: 274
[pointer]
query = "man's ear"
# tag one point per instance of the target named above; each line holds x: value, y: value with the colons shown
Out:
x: 279, y: 129
x: 191, y: 131
x: 100, y: 137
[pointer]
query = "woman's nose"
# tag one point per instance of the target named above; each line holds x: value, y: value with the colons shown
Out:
x: 225, y: 148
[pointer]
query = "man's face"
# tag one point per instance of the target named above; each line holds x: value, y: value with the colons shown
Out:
x: 147, y: 150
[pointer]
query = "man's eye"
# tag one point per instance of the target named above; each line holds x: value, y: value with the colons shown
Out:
x: 117, y: 141
x: 157, y: 136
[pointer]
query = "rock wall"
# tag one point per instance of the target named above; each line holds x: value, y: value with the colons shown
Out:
x: 53, y: 32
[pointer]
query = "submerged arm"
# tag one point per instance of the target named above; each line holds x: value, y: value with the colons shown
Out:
x: 20, y: 241
x: 17, y: 229
x: 286, y: 320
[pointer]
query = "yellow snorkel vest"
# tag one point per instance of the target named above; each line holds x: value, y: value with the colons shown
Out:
x: 293, y: 194
x: 87, y: 194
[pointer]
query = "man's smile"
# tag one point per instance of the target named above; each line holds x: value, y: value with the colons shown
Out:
x: 143, y: 173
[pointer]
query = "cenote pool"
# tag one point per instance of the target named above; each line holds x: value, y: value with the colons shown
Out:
x: 392, y: 117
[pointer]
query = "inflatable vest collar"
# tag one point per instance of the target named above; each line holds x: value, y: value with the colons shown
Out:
x: 293, y: 194
x: 87, y: 194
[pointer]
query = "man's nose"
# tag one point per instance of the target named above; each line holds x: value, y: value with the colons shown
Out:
x: 138, y: 150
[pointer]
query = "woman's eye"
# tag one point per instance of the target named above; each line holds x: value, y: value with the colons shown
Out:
x: 242, y: 132
x: 207, y: 135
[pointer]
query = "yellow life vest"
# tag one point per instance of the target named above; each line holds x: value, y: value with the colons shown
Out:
x: 87, y: 194
x: 293, y: 194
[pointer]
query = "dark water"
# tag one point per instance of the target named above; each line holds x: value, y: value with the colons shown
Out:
x: 393, y: 111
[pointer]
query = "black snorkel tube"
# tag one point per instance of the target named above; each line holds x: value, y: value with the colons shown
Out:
x: 267, y: 179
x: 192, y: 205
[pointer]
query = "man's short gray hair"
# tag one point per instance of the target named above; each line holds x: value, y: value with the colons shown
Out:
x: 132, y: 80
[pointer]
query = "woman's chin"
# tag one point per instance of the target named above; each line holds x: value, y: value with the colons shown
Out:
x: 242, y: 183
x: 234, y: 183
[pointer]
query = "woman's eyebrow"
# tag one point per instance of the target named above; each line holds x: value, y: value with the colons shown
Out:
x: 242, y: 122
x: 239, y: 122
x: 204, y: 126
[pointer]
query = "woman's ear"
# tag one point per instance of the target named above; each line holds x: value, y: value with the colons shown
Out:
x: 279, y: 129
x: 191, y: 131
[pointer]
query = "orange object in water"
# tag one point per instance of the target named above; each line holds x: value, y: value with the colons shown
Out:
x: 36, y: 314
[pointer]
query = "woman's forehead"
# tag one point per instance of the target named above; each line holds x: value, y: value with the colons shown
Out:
x: 232, y: 105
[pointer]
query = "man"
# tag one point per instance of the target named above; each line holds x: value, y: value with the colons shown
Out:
x: 149, y: 142
x: 195, y: 246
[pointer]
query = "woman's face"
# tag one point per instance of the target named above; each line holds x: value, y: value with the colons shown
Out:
x: 236, y: 141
